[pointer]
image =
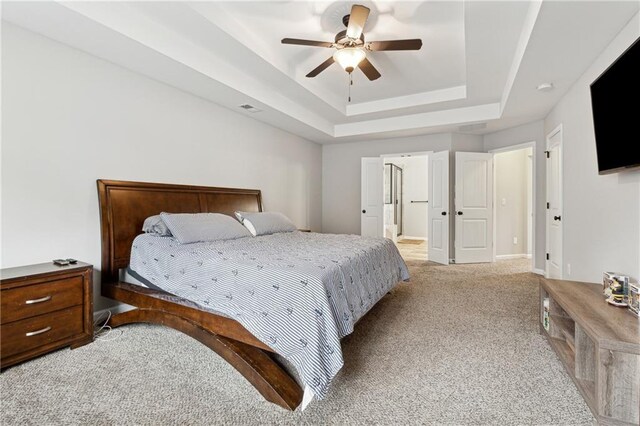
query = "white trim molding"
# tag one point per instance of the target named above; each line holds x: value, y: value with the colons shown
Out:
x: 117, y: 309
x: 512, y: 256
x: 409, y: 237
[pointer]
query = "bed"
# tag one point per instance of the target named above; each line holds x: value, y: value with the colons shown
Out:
x: 273, y: 306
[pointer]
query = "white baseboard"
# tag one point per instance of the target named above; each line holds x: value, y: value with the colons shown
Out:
x: 117, y: 309
x: 538, y: 271
x: 529, y: 256
x: 511, y: 256
x: 408, y: 237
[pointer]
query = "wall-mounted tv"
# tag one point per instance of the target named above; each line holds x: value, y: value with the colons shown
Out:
x: 615, y: 102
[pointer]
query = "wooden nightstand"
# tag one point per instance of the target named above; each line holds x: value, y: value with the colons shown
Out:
x: 43, y: 308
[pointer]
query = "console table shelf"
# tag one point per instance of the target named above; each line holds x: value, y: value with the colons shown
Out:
x: 598, y: 344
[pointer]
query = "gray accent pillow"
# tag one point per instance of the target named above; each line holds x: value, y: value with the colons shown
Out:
x: 155, y: 225
x: 265, y: 223
x: 195, y: 227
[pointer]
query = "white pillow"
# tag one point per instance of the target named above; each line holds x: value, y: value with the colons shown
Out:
x: 195, y: 227
x: 155, y: 225
x: 265, y: 223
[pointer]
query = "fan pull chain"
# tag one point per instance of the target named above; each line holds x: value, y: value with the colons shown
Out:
x: 350, y: 84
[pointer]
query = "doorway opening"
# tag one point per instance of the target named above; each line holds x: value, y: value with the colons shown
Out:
x: 405, y: 216
x: 393, y: 202
x: 514, y: 203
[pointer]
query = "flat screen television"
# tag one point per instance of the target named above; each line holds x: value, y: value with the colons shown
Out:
x: 615, y: 102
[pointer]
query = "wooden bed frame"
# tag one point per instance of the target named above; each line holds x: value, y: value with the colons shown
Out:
x: 123, y: 208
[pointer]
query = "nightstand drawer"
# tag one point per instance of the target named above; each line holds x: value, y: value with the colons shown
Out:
x: 27, y: 334
x: 32, y: 300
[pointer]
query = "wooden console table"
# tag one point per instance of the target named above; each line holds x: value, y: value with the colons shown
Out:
x: 599, y: 345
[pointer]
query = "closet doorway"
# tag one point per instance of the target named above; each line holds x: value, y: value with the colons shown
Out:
x: 514, y: 202
x: 393, y: 198
x: 405, y: 203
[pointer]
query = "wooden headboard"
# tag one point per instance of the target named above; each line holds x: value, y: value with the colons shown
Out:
x: 125, y: 205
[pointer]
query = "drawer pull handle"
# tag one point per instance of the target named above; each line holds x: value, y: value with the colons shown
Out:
x: 35, y: 333
x: 42, y: 299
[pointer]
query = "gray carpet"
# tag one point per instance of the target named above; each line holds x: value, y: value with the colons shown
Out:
x: 457, y: 345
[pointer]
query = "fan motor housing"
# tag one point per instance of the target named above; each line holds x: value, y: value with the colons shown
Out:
x: 344, y: 41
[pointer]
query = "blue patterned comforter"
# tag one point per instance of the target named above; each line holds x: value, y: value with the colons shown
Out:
x: 297, y: 292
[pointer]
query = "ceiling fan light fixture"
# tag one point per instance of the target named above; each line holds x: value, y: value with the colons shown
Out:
x: 349, y: 58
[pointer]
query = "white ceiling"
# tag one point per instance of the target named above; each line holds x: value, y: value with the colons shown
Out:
x: 480, y: 61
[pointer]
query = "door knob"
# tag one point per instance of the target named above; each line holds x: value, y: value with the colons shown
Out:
x: 364, y: 211
x: 459, y: 213
x: 443, y: 213
x: 557, y: 218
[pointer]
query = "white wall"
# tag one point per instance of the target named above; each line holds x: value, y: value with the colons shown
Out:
x: 416, y: 188
x: 529, y: 201
x: 531, y: 132
x: 467, y: 143
x: 600, y: 213
x: 341, y: 175
x: 70, y: 118
x: 511, y: 185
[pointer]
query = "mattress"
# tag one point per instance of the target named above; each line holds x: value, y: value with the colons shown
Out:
x: 297, y: 292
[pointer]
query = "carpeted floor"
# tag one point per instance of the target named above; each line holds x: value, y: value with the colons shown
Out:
x: 457, y: 345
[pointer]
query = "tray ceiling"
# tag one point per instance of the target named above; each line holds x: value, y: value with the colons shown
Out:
x: 480, y: 61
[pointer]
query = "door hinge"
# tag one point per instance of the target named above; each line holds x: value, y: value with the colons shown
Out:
x: 547, y: 256
x: 547, y: 153
x: 547, y: 205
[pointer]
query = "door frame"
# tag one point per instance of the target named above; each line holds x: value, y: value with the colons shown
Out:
x: 405, y: 154
x: 516, y: 147
x: 556, y: 130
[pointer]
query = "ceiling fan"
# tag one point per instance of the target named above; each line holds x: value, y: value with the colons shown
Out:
x: 351, y: 48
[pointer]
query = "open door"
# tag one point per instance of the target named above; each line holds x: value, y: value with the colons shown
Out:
x: 474, y: 207
x: 439, y: 207
x: 554, y: 204
x: 372, y: 184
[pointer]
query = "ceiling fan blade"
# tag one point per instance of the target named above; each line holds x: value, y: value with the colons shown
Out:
x: 369, y: 70
x: 357, y: 19
x: 323, y: 66
x: 411, y: 44
x: 307, y: 42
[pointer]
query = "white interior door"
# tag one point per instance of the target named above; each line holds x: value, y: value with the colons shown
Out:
x: 372, y: 185
x: 438, y: 213
x: 474, y: 207
x: 554, y: 204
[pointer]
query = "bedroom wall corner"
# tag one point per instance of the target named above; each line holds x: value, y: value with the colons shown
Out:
x: 70, y: 118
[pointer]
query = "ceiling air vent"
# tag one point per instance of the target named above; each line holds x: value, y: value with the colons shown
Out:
x: 250, y: 108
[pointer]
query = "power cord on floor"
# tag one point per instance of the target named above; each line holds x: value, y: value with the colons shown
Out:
x: 104, y: 331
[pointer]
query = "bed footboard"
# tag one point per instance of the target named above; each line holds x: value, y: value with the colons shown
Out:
x: 273, y: 382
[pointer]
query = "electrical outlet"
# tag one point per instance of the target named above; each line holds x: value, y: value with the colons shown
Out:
x: 568, y: 269
x: 515, y: 240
